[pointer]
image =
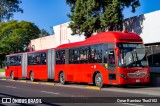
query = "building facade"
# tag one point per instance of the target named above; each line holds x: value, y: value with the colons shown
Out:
x: 62, y: 35
x: 145, y: 25
x: 42, y: 43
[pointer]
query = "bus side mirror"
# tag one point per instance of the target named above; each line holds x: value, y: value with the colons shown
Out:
x: 116, y: 51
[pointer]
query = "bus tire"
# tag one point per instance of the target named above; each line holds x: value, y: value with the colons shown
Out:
x: 98, y: 80
x: 62, y: 78
x: 32, y: 77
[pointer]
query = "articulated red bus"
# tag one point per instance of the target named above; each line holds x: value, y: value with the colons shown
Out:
x: 116, y: 58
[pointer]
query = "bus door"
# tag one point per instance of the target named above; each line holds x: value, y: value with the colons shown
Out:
x: 51, y: 63
x: 24, y: 65
x: 111, y: 66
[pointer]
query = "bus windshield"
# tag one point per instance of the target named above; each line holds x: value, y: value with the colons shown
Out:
x: 132, y: 55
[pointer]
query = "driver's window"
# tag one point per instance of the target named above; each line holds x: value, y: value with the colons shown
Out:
x: 111, y: 57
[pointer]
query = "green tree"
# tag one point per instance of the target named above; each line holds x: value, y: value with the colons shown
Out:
x: 89, y: 16
x: 43, y: 33
x: 15, y: 36
x: 8, y: 7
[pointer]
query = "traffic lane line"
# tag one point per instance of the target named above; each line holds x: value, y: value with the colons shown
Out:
x: 55, y: 93
x: 10, y: 87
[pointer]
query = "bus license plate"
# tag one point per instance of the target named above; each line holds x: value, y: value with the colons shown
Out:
x: 137, y: 80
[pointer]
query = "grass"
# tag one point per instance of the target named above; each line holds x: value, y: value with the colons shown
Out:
x: 1, y: 69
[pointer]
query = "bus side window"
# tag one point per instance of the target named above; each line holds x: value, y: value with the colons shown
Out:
x: 92, y: 58
x: 83, y: 55
x: 43, y: 58
x: 105, y: 53
x: 38, y: 58
x: 34, y: 59
x: 98, y: 53
x: 70, y: 56
x: 76, y: 56
x: 31, y: 59
x: 13, y: 61
x: 111, y: 57
x: 60, y: 57
x: 57, y: 57
x: 19, y: 60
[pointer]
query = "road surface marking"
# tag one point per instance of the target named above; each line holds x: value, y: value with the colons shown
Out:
x: 132, y: 104
x: 50, y: 92
x: 3, y: 79
x: 10, y: 87
x: 22, y: 81
x: 47, y: 83
x: 33, y: 82
x: 93, y: 87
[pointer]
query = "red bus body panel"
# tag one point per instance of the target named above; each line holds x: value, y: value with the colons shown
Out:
x: 80, y: 72
x: 40, y: 71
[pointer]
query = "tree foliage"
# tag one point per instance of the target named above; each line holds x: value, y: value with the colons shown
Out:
x: 8, y: 7
x: 43, y: 33
x: 89, y: 16
x: 15, y: 36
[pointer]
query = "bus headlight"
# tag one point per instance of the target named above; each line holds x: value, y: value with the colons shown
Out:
x: 122, y: 76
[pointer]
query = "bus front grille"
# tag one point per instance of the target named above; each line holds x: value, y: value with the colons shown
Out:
x: 137, y: 74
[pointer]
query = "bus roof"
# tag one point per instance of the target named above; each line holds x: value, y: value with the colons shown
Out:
x: 36, y: 51
x: 106, y: 37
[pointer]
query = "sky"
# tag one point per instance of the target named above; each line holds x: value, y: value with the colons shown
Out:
x: 48, y: 13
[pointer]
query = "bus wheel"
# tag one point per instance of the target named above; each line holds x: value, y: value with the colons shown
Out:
x: 98, y: 80
x: 62, y: 78
x: 32, y: 76
x: 12, y: 75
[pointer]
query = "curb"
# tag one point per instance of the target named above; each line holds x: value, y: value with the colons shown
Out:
x: 93, y: 87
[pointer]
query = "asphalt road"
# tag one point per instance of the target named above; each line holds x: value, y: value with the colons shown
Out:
x: 72, y: 93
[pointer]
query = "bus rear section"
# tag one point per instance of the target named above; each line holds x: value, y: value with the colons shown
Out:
x: 13, y: 66
x: 35, y: 65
